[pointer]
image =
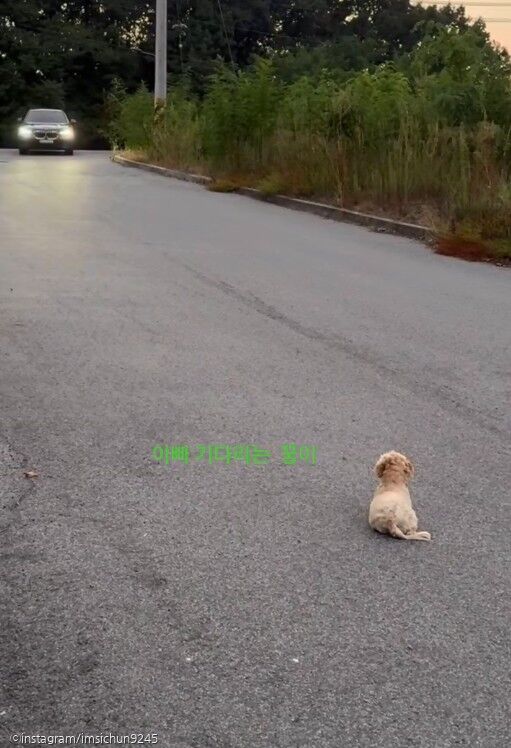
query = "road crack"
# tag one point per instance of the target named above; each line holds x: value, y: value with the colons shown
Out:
x: 445, y: 396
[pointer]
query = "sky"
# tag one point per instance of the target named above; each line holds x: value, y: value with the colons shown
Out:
x: 501, y: 32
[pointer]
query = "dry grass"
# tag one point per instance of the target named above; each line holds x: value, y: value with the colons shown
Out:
x: 372, y: 145
x: 223, y: 185
x: 473, y: 250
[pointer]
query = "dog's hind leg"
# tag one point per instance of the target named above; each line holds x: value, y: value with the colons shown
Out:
x: 395, y: 531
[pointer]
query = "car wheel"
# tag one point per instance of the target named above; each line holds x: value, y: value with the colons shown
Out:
x: 23, y: 151
x: 69, y: 151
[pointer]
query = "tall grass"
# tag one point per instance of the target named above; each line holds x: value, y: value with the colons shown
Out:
x: 407, y: 142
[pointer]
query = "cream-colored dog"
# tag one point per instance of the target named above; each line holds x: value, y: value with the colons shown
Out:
x: 391, y: 510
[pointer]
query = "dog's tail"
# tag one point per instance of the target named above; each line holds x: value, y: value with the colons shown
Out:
x: 419, y: 535
x: 396, y: 532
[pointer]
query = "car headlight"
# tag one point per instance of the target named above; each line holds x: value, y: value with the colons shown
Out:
x: 67, y: 133
x: 24, y: 131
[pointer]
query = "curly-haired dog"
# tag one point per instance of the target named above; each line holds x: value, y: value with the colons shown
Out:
x: 391, y: 510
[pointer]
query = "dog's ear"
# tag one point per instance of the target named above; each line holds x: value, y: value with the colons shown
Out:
x: 409, y: 468
x: 381, y: 465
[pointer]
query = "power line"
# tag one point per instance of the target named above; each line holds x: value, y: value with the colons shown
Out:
x: 471, y: 2
x: 180, y: 25
x: 219, y: 2
x: 474, y: 4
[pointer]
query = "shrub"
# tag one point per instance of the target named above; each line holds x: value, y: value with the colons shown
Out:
x: 430, y: 136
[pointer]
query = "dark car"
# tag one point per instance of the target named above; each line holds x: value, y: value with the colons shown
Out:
x: 46, y: 130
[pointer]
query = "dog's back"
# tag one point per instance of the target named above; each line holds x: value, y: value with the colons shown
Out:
x: 391, y: 511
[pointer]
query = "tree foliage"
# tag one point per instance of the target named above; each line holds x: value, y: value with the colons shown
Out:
x: 57, y: 54
x: 67, y: 53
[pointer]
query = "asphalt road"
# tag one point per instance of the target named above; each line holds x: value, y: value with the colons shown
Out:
x: 226, y: 605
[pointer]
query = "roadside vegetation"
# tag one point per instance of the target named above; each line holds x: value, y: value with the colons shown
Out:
x: 426, y: 137
x: 387, y: 106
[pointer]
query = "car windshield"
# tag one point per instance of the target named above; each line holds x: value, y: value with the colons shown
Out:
x: 53, y: 116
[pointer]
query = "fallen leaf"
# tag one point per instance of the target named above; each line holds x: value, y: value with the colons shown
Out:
x: 31, y: 474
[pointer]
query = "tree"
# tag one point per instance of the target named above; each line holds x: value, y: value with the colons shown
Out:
x: 462, y: 78
x: 66, y: 55
x: 202, y: 33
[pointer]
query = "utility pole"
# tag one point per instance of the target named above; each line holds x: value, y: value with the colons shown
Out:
x: 160, y: 63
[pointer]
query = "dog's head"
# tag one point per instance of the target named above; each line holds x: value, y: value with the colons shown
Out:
x: 395, y: 463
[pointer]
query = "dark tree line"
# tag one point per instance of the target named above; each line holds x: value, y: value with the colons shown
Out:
x: 64, y: 54
x: 68, y: 53
x: 351, y: 32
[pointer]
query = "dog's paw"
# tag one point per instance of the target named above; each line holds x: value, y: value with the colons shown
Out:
x: 423, y: 535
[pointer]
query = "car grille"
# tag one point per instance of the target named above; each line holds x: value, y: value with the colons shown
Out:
x: 45, y: 133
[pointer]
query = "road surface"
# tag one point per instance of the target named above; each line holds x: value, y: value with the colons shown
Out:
x: 225, y: 605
